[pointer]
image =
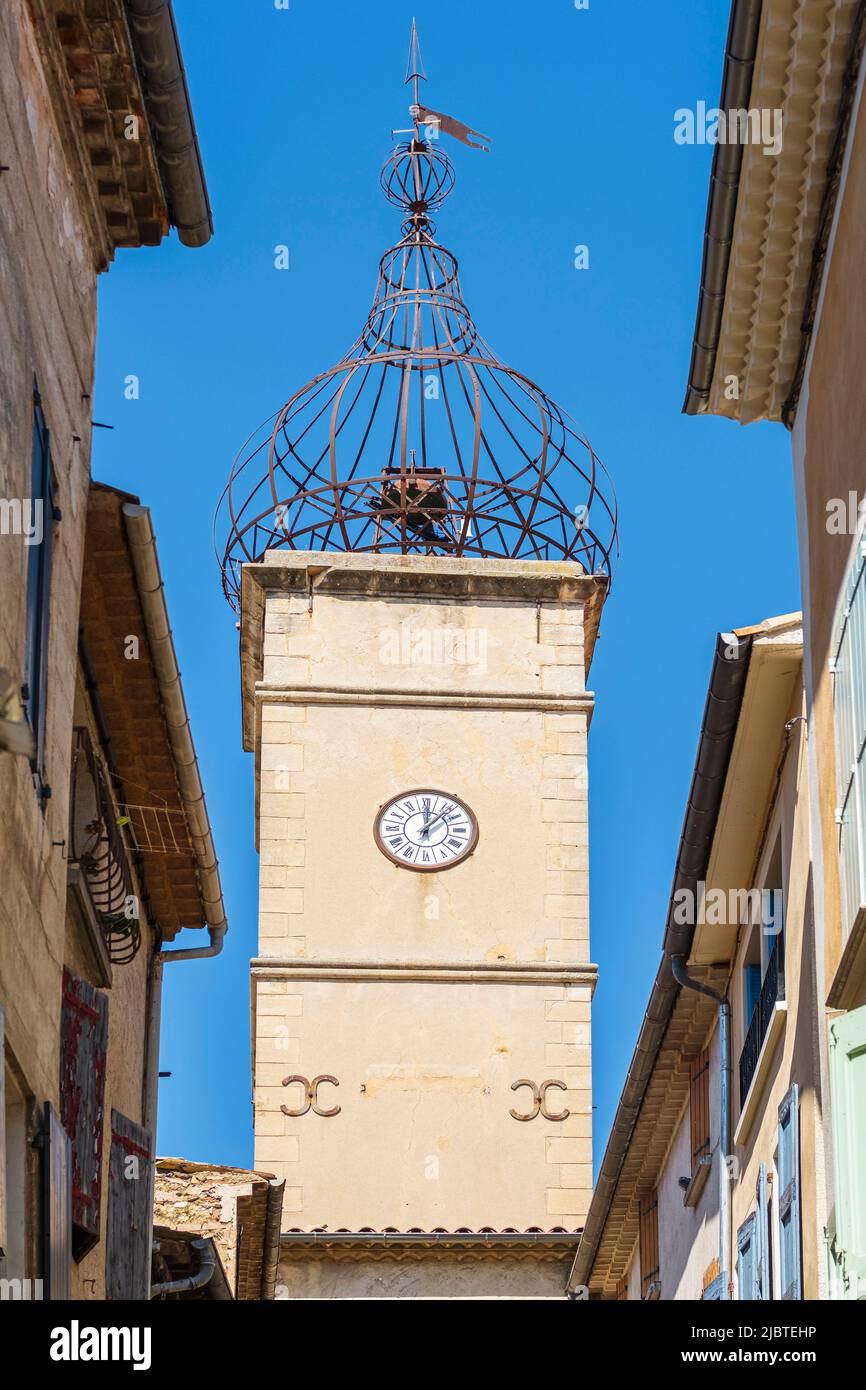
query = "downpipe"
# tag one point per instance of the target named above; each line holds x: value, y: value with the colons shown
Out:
x: 154, y: 1023
x: 683, y: 978
x: 207, y: 1265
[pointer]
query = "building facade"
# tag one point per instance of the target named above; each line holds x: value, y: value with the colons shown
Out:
x: 216, y: 1233
x: 105, y: 849
x: 741, y: 922
x: 779, y: 337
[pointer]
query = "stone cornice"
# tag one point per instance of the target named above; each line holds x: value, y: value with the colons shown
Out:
x: 436, y: 578
x: 550, y: 703
x: 428, y: 972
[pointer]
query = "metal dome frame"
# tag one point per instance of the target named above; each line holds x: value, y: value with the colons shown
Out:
x: 472, y: 458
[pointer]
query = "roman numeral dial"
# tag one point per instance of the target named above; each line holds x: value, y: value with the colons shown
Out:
x: 425, y: 830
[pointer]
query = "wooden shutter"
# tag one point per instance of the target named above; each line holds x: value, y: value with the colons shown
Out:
x: 762, y: 1238
x: 83, y: 1049
x: 649, y: 1245
x: 127, y: 1255
x: 848, y: 1080
x: 4, y: 1218
x: 622, y: 1289
x: 788, y: 1164
x: 746, y: 1259
x: 56, y: 1208
x: 699, y: 1107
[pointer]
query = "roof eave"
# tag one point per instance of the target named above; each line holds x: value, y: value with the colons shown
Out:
x: 740, y: 49
x: 169, y: 111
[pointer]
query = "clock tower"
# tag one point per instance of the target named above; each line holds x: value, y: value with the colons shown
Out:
x: 420, y: 587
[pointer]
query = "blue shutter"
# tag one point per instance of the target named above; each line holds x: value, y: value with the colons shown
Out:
x: 762, y: 1241
x: 746, y: 1259
x: 788, y: 1165
x: 848, y: 1079
x: 752, y: 985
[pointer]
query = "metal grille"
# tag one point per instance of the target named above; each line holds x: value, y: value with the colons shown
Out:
x: 772, y: 990
x: 155, y: 829
x: 97, y: 845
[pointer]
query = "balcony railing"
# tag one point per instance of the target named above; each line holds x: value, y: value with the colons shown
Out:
x: 97, y: 847
x: 772, y: 993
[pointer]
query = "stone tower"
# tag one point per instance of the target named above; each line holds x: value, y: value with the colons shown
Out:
x: 415, y: 637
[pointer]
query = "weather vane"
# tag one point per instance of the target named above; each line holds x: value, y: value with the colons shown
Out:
x: 425, y: 115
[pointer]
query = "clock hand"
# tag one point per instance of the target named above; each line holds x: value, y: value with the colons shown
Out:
x: 435, y: 819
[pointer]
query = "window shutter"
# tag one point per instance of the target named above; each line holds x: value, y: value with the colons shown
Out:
x: 746, y: 1260
x: 56, y: 1208
x: 849, y: 719
x: 83, y: 1048
x: 699, y: 1107
x: 788, y: 1163
x: 762, y: 1243
x: 127, y: 1257
x: 649, y: 1245
x: 3, y: 1201
x: 848, y: 1079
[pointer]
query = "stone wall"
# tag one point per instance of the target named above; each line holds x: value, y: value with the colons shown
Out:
x: 426, y: 995
x: 47, y: 331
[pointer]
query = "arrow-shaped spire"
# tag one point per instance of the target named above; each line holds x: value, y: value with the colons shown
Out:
x: 415, y: 66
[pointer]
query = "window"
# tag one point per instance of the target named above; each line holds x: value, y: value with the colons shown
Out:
x: 39, y: 544
x: 699, y: 1108
x: 763, y: 966
x: 650, y: 1283
x: 788, y: 1166
x: 849, y: 713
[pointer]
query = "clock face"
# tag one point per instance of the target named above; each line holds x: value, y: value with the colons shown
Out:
x: 425, y: 830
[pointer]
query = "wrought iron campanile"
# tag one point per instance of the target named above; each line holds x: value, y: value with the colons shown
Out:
x: 420, y: 440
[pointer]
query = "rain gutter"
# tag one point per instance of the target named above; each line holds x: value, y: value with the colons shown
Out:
x: 142, y: 545
x: 718, y: 730
x: 740, y: 49
x: 169, y: 112
x: 308, y: 1239
x: 151, y: 593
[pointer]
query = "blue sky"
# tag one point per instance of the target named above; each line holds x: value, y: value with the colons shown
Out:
x: 294, y: 112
